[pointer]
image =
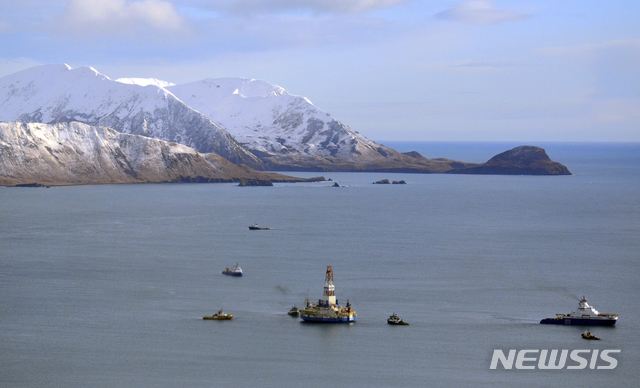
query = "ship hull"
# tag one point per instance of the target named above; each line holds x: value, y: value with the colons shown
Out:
x: 328, y: 320
x: 232, y: 273
x: 579, y: 321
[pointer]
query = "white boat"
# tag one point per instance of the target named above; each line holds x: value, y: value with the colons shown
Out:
x: 234, y: 271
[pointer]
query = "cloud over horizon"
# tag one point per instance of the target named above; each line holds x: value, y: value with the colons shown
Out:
x: 120, y: 18
x: 251, y: 7
x: 478, y: 13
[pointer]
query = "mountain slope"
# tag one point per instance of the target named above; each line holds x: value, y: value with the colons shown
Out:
x: 57, y: 93
x: 77, y: 153
x: 286, y: 131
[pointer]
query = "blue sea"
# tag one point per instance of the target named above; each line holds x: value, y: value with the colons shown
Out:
x: 106, y: 286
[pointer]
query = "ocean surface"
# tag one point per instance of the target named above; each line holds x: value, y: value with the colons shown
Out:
x: 106, y: 286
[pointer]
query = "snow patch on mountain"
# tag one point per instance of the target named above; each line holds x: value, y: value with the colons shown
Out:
x: 145, y: 82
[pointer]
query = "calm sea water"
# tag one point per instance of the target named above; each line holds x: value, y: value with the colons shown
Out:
x: 106, y: 285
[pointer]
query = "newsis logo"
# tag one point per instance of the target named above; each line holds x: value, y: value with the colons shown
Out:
x: 545, y: 359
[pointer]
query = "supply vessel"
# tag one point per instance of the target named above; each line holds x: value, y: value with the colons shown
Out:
x: 585, y: 315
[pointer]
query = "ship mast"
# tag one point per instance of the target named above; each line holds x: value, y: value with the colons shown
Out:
x: 329, y: 294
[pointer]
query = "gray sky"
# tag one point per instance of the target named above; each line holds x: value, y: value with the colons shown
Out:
x: 391, y: 69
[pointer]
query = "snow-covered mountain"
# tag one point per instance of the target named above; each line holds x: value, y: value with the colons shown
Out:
x: 77, y: 153
x: 58, y: 93
x: 276, y: 125
x: 246, y: 121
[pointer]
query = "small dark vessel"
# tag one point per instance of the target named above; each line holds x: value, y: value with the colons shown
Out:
x: 294, y: 312
x: 234, y: 271
x: 587, y: 335
x: 395, y: 320
x: 256, y: 227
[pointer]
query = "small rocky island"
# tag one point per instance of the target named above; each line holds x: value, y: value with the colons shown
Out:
x: 523, y: 160
x: 386, y: 182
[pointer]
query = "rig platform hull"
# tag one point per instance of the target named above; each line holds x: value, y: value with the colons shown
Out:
x: 328, y: 320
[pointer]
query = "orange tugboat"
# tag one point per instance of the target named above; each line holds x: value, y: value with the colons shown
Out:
x: 589, y: 336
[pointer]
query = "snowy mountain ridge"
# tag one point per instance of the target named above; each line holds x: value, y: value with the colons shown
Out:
x: 58, y: 93
x: 245, y: 120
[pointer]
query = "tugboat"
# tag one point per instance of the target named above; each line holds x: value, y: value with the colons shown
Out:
x: 256, y: 227
x: 294, y: 312
x: 587, y: 335
x: 220, y: 315
x: 234, y: 271
x: 585, y: 315
x: 395, y: 320
x: 327, y: 310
